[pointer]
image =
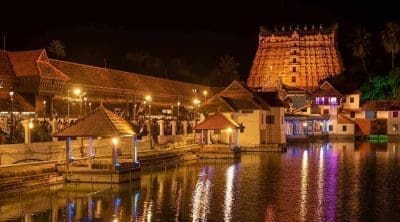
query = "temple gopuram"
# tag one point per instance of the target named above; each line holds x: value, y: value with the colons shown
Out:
x: 297, y: 57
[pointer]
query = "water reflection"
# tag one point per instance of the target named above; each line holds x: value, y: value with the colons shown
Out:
x: 201, y: 196
x: 304, y: 183
x: 319, y: 182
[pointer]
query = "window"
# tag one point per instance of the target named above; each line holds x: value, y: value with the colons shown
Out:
x: 269, y: 119
x: 352, y: 114
x: 370, y: 115
x: 295, y: 44
x: 395, y: 114
x: 344, y: 99
x: 344, y: 128
x: 294, y: 60
x: 294, y: 69
x: 294, y: 52
x: 395, y: 127
x: 293, y: 78
x: 331, y: 128
x: 262, y: 118
x: 351, y: 99
x: 326, y: 112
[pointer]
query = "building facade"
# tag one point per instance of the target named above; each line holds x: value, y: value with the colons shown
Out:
x: 297, y: 57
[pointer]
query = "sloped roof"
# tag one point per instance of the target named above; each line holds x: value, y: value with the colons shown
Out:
x: 272, y: 98
x: 235, y: 97
x: 344, y: 119
x: 217, y: 121
x: 20, y: 104
x: 116, y: 79
x: 101, y: 122
x: 381, y: 105
x: 34, y: 63
x: 326, y: 90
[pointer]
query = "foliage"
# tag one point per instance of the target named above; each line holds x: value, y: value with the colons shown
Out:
x: 390, y: 39
x: 226, y: 70
x: 382, y: 87
x: 361, y: 45
x: 57, y: 49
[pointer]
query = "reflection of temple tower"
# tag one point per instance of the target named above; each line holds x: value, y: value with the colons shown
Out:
x: 298, y: 57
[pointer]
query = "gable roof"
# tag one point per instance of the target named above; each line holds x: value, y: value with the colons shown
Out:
x: 326, y: 90
x: 20, y: 104
x: 344, y: 119
x: 217, y: 121
x: 235, y: 97
x: 381, y: 105
x: 34, y: 63
x: 101, y: 122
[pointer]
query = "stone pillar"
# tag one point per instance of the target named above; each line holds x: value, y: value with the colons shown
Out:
x: 68, y: 152
x: 134, y: 149
x: 51, y: 107
x: 27, y: 131
x: 53, y: 128
x: 208, y: 136
x: 185, y: 125
x: 237, y: 137
x: 161, y: 125
x: 173, y: 123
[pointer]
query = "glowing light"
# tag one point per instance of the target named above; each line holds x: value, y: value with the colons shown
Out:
x: 11, y: 93
x: 201, y: 198
x: 30, y: 125
x: 320, y: 187
x: 178, y: 103
x: 205, y: 93
x: 85, y: 99
x: 77, y: 91
x: 305, y: 124
x: 304, y: 180
x: 148, y: 98
x: 321, y: 123
x: 229, y: 130
x: 196, y: 101
x: 228, y: 193
x: 115, y: 141
x: 44, y: 102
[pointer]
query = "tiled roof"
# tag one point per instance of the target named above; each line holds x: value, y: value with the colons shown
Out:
x: 344, y: 119
x: 101, y: 77
x: 235, y: 97
x: 34, y: 63
x: 20, y: 104
x: 101, y: 122
x: 326, y: 90
x: 217, y: 121
x: 381, y: 105
x: 272, y: 98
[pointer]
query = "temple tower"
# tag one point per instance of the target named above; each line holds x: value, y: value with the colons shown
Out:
x: 298, y: 57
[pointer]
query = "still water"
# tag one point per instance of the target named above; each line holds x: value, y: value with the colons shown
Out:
x: 314, y: 182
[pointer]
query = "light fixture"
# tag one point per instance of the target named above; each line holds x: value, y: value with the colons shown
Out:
x: 148, y: 98
x: 196, y: 101
x: 44, y: 102
x: 205, y: 93
x: 229, y: 130
x: 11, y: 93
x: 305, y: 124
x: 30, y: 125
x: 115, y: 141
x: 77, y: 91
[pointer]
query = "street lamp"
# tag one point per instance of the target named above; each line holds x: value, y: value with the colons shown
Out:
x: 148, y: 99
x: 12, y: 115
x: 205, y: 93
x: 44, y: 109
x: 85, y: 99
x: 196, y: 102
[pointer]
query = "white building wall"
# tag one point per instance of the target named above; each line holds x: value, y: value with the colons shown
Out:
x: 355, y: 104
x: 276, y: 131
x: 252, y: 124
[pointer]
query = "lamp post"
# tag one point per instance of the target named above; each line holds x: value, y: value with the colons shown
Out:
x: 177, y: 118
x: 148, y: 99
x: 12, y: 116
x: 205, y: 93
x: 196, y: 102
x: 44, y: 109
x: 85, y: 100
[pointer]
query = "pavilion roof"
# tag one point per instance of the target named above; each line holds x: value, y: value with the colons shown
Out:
x: 20, y: 104
x: 101, y: 122
x: 326, y: 90
x: 217, y: 121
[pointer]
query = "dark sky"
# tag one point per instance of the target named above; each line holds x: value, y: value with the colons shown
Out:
x: 198, y: 31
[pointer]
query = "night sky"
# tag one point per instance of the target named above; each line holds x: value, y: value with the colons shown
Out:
x: 199, y: 32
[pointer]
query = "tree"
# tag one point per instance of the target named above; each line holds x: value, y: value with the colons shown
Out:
x: 226, y: 70
x: 361, y: 44
x: 57, y: 49
x: 390, y: 39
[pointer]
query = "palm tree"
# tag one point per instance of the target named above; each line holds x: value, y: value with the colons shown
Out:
x: 228, y: 68
x: 57, y: 49
x: 361, y: 44
x: 390, y: 39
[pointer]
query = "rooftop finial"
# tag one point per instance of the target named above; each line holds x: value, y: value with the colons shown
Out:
x: 320, y: 26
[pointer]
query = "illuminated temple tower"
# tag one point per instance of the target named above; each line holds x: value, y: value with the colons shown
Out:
x: 297, y: 57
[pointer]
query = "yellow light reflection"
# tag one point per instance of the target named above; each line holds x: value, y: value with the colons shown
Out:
x: 228, y: 193
x: 304, y: 181
x: 201, y: 198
